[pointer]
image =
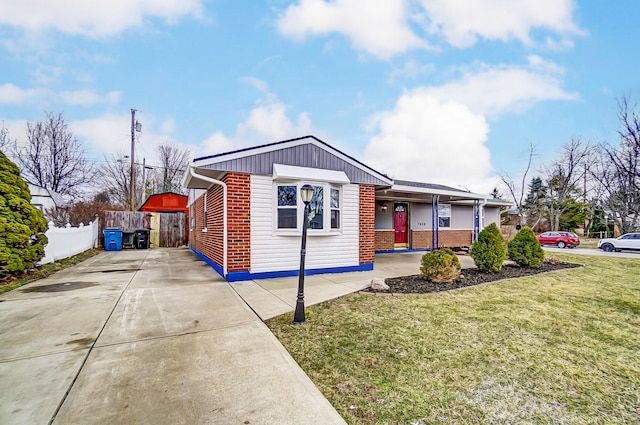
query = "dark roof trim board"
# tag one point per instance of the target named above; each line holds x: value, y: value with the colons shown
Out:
x: 265, y: 156
x: 427, y: 185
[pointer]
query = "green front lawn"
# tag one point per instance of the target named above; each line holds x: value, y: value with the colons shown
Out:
x: 561, y: 348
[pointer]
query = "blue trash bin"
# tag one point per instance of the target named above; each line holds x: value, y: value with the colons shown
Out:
x: 112, y: 239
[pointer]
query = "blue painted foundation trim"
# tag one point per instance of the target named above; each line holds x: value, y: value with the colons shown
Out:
x: 246, y: 275
x: 207, y: 260
x: 396, y: 251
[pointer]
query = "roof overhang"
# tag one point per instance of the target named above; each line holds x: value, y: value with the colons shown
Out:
x: 400, y: 192
x: 211, y: 161
x: 191, y: 181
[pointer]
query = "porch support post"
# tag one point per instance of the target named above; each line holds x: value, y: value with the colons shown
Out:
x: 435, y: 219
x: 476, y: 219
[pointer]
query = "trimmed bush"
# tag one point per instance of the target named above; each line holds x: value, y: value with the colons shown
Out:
x: 22, y: 225
x: 440, y: 266
x: 489, y: 252
x: 524, y: 249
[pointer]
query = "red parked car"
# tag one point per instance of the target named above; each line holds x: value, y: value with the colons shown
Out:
x: 560, y: 239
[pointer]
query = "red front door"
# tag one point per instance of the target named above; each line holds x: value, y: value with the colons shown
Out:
x: 400, y: 224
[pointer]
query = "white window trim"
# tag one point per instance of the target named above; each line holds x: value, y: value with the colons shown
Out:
x: 450, y: 226
x: 204, y: 210
x: 326, y: 219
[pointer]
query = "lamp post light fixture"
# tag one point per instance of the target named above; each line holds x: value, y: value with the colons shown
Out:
x: 306, y: 192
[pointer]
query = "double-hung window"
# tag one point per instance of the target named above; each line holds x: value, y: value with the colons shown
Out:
x: 287, y: 206
x: 444, y: 216
x: 334, y: 204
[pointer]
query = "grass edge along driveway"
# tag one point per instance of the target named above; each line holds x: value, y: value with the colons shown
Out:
x: 560, y: 348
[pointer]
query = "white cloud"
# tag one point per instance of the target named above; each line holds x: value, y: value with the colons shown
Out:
x: 107, y: 134
x: 379, y: 28
x: 110, y: 134
x: 89, y: 97
x: 168, y: 126
x: 266, y: 123
x: 256, y: 83
x: 12, y: 94
x: 387, y: 28
x: 462, y: 22
x: 411, y: 69
x: 437, y: 134
x: 493, y: 91
x: 425, y: 139
x: 91, y: 18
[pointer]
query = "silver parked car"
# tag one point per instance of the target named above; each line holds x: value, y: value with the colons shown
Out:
x: 628, y: 241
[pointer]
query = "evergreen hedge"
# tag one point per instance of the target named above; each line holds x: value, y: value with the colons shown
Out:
x: 22, y: 225
x: 524, y: 249
x: 489, y: 252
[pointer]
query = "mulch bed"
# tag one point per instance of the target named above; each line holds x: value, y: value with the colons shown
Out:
x: 415, y: 284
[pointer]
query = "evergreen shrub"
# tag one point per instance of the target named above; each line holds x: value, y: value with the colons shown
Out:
x: 22, y: 225
x: 524, y: 249
x: 440, y: 266
x: 489, y: 252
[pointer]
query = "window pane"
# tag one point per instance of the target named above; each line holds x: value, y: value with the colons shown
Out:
x: 287, y: 196
x: 287, y: 218
x: 444, y: 221
x: 444, y: 210
x: 335, y: 219
x: 316, y: 209
x: 335, y: 198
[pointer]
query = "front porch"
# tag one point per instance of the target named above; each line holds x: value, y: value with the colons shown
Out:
x: 419, y: 216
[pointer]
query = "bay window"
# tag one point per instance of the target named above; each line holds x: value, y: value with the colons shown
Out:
x: 324, y: 211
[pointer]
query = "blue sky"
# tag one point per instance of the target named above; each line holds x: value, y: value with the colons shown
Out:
x: 441, y: 91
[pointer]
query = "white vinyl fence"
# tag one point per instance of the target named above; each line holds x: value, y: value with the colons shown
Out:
x: 67, y: 241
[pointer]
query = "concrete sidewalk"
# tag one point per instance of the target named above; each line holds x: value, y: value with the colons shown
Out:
x: 273, y: 297
x: 149, y: 337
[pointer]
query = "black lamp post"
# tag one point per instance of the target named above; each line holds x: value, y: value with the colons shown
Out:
x: 306, y: 192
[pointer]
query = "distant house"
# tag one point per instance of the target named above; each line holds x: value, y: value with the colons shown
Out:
x: 167, y: 202
x: 247, y: 212
x: 44, y: 198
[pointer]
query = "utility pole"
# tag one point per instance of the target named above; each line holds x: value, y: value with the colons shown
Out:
x: 132, y: 184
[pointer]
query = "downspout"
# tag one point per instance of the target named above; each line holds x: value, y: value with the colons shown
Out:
x: 224, y: 214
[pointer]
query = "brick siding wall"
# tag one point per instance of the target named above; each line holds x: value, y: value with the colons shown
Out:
x: 239, y: 221
x: 367, y: 224
x: 210, y: 243
x: 385, y: 240
x: 421, y: 239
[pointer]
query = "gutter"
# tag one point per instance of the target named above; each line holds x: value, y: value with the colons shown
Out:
x: 224, y: 213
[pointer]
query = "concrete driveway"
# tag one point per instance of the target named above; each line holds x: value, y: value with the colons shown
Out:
x: 145, y: 337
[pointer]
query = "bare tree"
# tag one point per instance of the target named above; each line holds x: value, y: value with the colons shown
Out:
x: 5, y: 139
x: 52, y: 157
x: 563, y: 179
x: 115, y: 177
x: 173, y: 159
x: 516, y: 191
x: 618, y: 171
